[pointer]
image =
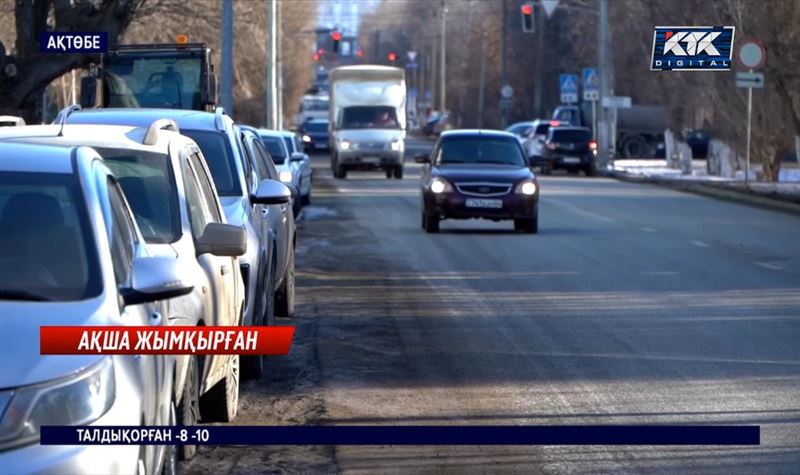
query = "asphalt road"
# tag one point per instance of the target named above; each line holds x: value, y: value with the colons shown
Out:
x: 635, y: 304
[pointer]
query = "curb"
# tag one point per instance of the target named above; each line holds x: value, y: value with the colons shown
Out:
x: 721, y: 192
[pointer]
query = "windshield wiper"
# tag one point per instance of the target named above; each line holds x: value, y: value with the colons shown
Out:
x: 18, y: 294
x: 495, y: 162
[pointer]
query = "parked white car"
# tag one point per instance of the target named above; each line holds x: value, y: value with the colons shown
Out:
x: 72, y: 254
x: 167, y: 182
x: 294, y: 165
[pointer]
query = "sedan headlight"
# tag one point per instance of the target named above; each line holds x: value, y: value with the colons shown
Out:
x: 395, y: 146
x: 438, y: 185
x: 526, y: 188
x: 344, y: 145
x: 78, y: 400
x: 306, y: 139
x: 285, y: 176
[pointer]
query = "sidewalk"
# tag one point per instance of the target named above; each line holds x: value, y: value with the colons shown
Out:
x: 783, y: 195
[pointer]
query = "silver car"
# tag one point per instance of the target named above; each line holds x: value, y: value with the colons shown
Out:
x: 292, y: 163
x: 71, y: 254
x: 165, y: 178
x: 243, y: 197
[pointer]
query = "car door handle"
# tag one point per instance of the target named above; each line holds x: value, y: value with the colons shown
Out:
x: 264, y: 211
x: 155, y: 318
x: 225, y: 269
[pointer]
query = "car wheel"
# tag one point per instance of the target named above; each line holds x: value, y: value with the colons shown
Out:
x: 529, y: 226
x: 188, y: 412
x: 398, y: 172
x: 285, y: 298
x: 431, y: 222
x: 170, y: 465
x: 340, y: 172
x: 306, y: 199
x: 221, y: 403
x: 589, y: 170
x: 389, y: 172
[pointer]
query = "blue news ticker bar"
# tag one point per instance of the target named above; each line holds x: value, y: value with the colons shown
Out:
x: 427, y: 435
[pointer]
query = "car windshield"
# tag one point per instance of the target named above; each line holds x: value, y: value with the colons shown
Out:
x: 149, y: 81
x: 217, y: 153
x: 316, y: 127
x: 480, y: 149
x: 571, y: 135
x: 149, y: 185
x: 275, y: 148
x: 47, y: 249
x: 315, y: 105
x: 369, y: 117
x: 289, y: 144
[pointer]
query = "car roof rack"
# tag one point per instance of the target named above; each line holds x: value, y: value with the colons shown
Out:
x: 151, y: 137
x: 218, y: 113
x: 64, y: 115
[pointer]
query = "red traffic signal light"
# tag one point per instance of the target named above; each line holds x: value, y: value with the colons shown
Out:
x: 316, y: 56
x: 336, y: 36
x: 360, y: 53
x: 527, y: 17
x: 392, y: 57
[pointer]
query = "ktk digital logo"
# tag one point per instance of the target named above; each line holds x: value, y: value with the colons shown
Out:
x: 692, y: 48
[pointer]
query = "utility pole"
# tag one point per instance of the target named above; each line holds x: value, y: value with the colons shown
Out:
x: 278, y: 68
x: 443, y: 65
x: 481, y: 92
x: 603, y: 123
x: 226, y: 56
x: 503, y: 72
x: 270, y: 106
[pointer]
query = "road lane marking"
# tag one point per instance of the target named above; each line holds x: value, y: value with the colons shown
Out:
x: 700, y: 244
x: 769, y: 265
x: 648, y: 230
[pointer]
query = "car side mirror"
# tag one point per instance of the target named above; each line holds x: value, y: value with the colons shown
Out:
x: 297, y: 157
x: 422, y: 158
x: 156, y: 278
x: 271, y: 192
x: 222, y: 239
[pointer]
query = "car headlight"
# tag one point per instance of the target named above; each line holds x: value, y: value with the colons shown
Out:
x: 306, y: 139
x: 395, y: 146
x: 344, y: 145
x: 78, y: 400
x: 285, y: 176
x: 439, y: 185
x: 526, y: 188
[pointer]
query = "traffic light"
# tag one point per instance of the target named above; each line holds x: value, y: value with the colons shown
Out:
x: 527, y: 18
x: 316, y: 56
x: 392, y: 57
x: 360, y: 53
x: 336, y: 37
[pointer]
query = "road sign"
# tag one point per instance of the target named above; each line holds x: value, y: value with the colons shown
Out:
x: 751, y: 54
x: 750, y: 80
x: 569, y: 88
x: 412, y: 55
x: 591, y: 84
x: 507, y: 91
x: 549, y: 7
x: 617, y: 102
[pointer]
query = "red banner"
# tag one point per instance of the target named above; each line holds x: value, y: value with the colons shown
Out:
x: 108, y: 340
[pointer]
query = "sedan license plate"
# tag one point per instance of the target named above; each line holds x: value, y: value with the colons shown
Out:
x: 571, y: 160
x: 482, y: 203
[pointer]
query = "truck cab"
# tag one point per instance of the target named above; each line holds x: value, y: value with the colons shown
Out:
x: 171, y: 76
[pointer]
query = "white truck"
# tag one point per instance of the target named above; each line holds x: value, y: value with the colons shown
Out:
x: 367, y: 120
x: 312, y: 106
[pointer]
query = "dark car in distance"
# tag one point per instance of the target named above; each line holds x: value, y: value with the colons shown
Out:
x: 568, y: 148
x: 478, y: 174
x: 314, y: 134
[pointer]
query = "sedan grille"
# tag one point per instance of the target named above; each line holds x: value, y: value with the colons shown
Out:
x: 484, y: 189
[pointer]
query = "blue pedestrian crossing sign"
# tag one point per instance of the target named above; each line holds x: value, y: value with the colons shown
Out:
x: 569, y: 88
x: 591, y: 84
